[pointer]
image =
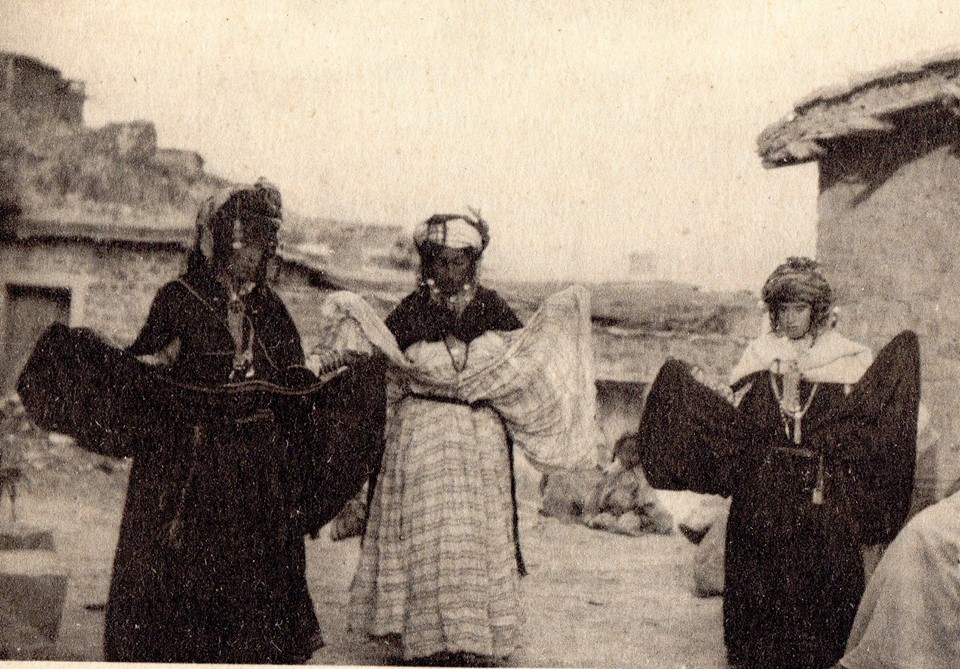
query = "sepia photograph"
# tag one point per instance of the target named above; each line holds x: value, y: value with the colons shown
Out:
x: 609, y: 334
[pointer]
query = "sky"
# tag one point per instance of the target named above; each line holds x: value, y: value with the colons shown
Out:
x: 583, y: 131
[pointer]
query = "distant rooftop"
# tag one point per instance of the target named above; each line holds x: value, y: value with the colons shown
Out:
x: 20, y: 59
x: 26, y: 228
x: 867, y: 105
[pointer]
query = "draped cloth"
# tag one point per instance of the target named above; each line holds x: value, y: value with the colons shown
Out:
x: 793, y: 569
x: 348, y: 323
x: 910, y: 612
x: 832, y: 359
x: 112, y: 404
x: 540, y: 378
x: 226, y: 480
x: 437, y: 564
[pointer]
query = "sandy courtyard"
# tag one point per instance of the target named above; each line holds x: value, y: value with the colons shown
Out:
x: 592, y: 599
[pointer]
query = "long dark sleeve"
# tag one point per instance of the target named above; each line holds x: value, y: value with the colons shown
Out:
x: 77, y: 384
x: 689, y: 437
x: 875, y: 432
x: 280, y: 335
x: 159, y: 330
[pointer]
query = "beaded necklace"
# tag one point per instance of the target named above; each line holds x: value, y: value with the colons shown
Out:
x: 241, y: 330
x: 458, y: 351
x: 794, y: 414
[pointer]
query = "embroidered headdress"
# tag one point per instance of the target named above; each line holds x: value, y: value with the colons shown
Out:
x: 799, y: 280
x: 238, y: 216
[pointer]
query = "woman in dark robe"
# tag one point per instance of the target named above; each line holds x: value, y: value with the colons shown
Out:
x: 210, y: 566
x: 817, y: 452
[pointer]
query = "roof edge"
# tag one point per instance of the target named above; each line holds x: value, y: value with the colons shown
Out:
x: 866, y: 105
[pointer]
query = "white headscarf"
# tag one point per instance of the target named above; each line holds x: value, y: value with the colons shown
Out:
x: 455, y: 232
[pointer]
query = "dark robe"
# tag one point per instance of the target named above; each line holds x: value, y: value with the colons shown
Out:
x: 226, y: 479
x: 418, y: 318
x: 794, y: 571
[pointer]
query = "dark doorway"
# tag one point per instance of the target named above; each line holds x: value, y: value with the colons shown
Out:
x: 30, y: 310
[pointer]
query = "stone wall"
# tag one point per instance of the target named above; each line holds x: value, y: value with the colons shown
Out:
x: 637, y: 356
x: 889, y: 240
x: 186, y: 164
x: 112, y: 285
x: 628, y: 361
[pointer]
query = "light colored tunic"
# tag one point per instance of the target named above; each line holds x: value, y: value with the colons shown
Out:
x: 909, y: 617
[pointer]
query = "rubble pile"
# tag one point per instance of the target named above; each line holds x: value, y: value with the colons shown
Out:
x: 37, y: 456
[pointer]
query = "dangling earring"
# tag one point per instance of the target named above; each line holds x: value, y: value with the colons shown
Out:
x: 237, y: 241
x: 834, y: 317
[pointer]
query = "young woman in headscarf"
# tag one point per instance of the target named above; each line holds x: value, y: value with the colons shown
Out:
x: 815, y: 443
x: 440, y: 565
x: 209, y: 566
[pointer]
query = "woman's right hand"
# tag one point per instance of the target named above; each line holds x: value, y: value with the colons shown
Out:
x: 614, y: 468
x: 325, y: 360
x: 164, y: 357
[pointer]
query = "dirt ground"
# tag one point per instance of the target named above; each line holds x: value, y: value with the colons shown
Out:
x: 592, y: 598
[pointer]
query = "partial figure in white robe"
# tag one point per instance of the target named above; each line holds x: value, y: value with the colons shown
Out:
x: 909, y: 617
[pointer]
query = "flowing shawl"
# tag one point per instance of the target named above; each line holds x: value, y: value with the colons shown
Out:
x: 113, y: 404
x: 800, y: 512
x: 226, y: 480
x: 540, y: 378
x: 692, y: 438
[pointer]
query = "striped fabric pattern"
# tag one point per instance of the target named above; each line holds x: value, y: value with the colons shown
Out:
x: 437, y: 565
x: 543, y: 384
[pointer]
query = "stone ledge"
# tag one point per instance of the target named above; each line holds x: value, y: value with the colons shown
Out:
x: 33, y: 588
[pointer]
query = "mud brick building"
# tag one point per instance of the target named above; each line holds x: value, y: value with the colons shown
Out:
x: 888, y: 151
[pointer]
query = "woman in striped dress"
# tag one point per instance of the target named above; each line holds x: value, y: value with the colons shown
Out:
x: 440, y: 565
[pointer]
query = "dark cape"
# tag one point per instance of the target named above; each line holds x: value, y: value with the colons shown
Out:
x: 794, y: 571
x: 418, y: 318
x: 227, y: 478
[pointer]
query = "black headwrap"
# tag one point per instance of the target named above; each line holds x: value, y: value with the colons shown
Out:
x: 238, y: 217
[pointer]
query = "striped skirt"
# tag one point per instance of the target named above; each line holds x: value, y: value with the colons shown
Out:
x: 437, y: 564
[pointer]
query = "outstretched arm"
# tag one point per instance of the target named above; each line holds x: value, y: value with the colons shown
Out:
x: 689, y: 436
x: 882, y: 412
